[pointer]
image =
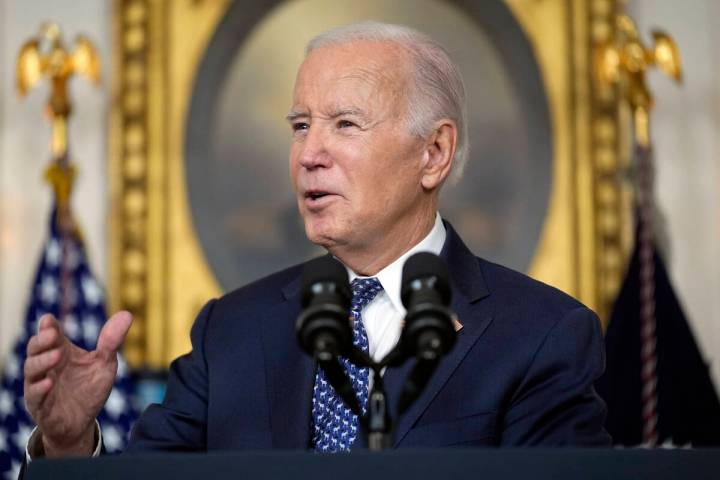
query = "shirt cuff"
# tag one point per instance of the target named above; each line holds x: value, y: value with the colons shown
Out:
x: 34, y: 447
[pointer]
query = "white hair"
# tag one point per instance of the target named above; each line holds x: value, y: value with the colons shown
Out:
x: 438, y: 86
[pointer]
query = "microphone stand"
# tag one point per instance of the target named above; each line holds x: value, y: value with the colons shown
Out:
x: 378, y: 424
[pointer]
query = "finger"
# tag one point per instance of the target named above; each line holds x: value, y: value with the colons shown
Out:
x: 37, y: 366
x: 113, y: 334
x: 36, y: 392
x: 48, y: 321
x: 46, y: 339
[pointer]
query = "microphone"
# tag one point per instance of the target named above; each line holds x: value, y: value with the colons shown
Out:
x: 428, y: 333
x: 323, y: 326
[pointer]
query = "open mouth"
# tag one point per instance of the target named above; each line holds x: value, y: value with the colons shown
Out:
x: 316, y: 194
x: 316, y: 200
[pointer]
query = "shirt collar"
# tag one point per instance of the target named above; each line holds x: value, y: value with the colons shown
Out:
x: 391, y: 276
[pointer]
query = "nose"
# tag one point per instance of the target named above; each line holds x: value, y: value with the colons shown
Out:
x: 313, y: 150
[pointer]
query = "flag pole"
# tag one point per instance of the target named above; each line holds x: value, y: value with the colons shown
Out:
x: 64, y: 284
x: 648, y: 322
x: 624, y: 62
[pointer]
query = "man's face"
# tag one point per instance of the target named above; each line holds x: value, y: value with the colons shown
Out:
x: 354, y: 165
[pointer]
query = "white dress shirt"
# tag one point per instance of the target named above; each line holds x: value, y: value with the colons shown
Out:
x: 384, y: 315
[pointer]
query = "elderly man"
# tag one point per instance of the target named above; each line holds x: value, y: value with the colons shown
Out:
x: 378, y: 125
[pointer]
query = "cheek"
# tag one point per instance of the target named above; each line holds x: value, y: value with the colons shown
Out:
x: 293, y: 168
x: 374, y: 172
x: 373, y: 189
x: 395, y: 174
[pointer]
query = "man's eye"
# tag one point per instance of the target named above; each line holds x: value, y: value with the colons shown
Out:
x: 298, y: 126
x: 346, y: 124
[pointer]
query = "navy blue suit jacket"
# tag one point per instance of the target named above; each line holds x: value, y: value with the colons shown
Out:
x: 521, y: 372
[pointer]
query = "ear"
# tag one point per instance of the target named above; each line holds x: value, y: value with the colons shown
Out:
x: 439, y: 153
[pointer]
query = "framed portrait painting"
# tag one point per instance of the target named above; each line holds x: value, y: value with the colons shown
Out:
x: 202, y: 200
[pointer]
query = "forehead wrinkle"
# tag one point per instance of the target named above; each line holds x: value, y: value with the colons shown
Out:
x: 379, y: 75
x: 386, y: 83
x: 372, y: 74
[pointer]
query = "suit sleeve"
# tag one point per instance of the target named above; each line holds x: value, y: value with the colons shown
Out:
x: 180, y: 422
x: 556, y: 403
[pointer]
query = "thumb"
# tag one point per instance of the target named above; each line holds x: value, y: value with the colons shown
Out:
x: 113, y: 334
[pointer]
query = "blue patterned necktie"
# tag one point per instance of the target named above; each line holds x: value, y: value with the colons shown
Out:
x: 335, y: 427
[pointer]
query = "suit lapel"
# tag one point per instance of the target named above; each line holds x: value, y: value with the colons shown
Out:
x: 290, y: 374
x: 468, y: 288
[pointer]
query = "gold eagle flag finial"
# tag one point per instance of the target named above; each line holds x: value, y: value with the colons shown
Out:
x: 625, y: 60
x: 45, y: 55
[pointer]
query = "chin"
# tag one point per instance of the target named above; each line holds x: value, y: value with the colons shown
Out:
x: 317, y: 232
x: 322, y: 233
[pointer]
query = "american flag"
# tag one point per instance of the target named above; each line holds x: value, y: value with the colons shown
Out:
x: 83, y: 302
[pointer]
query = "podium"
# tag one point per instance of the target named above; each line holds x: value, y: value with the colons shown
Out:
x: 485, y: 464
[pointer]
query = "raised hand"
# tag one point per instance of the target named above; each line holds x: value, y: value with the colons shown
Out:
x: 66, y: 386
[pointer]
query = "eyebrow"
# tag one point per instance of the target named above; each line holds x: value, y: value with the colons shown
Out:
x: 348, y: 111
x: 293, y: 115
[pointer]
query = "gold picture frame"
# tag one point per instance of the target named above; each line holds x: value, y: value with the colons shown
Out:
x: 157, y: 267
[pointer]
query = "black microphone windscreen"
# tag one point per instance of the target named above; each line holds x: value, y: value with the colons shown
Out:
x: 325, y: 269
x: 423, y: 265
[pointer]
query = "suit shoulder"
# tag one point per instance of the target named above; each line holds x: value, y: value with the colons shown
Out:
x: 265, y: 291
x: 515, y: 288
